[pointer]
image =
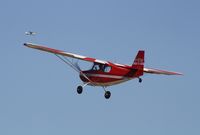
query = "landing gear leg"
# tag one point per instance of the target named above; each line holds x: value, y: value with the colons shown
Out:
x: 140, y: 80
x: 107, y: 93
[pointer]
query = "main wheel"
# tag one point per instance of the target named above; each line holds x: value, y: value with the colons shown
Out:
x: 140, y: 80
x: 107, y: 94
x: 79, y: 89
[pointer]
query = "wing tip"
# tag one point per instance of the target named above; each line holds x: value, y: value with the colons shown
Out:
x: 25, y: 44
x: 179, y: 73
x: 28, y: 44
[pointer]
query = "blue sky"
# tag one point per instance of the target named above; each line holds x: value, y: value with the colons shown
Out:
x: 38, y: 92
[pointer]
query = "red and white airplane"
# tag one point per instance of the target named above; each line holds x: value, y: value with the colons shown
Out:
x: 104, y: 73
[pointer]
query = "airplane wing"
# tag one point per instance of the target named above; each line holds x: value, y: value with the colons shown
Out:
x: 59, y: 52
x: 157, y: 71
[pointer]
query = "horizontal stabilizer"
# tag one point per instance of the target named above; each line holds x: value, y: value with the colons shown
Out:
x: 157, y: 71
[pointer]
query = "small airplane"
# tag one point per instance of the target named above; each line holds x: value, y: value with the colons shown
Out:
x: 30, y: 33
x: 104, y: 73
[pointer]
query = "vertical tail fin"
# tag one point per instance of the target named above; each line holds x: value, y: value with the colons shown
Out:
x: 138, y: 63
x: 139, y: 60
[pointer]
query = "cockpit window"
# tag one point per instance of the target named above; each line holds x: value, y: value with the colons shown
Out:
x: 107, y: 69
x: 96, y: 67
x: 104, y: 68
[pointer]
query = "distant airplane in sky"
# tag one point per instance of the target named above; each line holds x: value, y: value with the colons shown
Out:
x: 30, y: 33
x: 104, y: 73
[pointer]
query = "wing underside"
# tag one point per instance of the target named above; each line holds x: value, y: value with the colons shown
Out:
x: 67, y: 54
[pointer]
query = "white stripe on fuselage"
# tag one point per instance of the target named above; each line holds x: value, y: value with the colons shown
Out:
x: 109, y: 83
x: 107, y: 76
x: 121, y: 79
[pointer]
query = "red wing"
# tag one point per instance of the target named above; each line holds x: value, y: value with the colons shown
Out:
x: 59, y: 52
x: 156, y: 71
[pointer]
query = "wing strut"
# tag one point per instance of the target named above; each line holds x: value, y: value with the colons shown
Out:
x: 68, y: 62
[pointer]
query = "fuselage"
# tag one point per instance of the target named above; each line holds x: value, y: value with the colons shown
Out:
x: 107, y: 75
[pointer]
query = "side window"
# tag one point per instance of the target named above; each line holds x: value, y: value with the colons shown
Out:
x: 96, y: 67
x: 107, y: 69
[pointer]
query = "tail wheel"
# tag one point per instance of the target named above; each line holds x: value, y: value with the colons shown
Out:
x: 140, y: 80
x: 79, y: 89
x: 107, y: 94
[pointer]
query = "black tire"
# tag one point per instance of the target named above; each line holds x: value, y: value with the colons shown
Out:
x: 140, y: 80
x: 107, y: 94
x: 79, y: 89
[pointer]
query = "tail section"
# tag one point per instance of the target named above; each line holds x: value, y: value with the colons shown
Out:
x: 139, y: 60
x: 138, y: 67
x: 138, y: 63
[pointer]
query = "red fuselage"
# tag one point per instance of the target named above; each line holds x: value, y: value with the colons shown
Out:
x: 107, y: 75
